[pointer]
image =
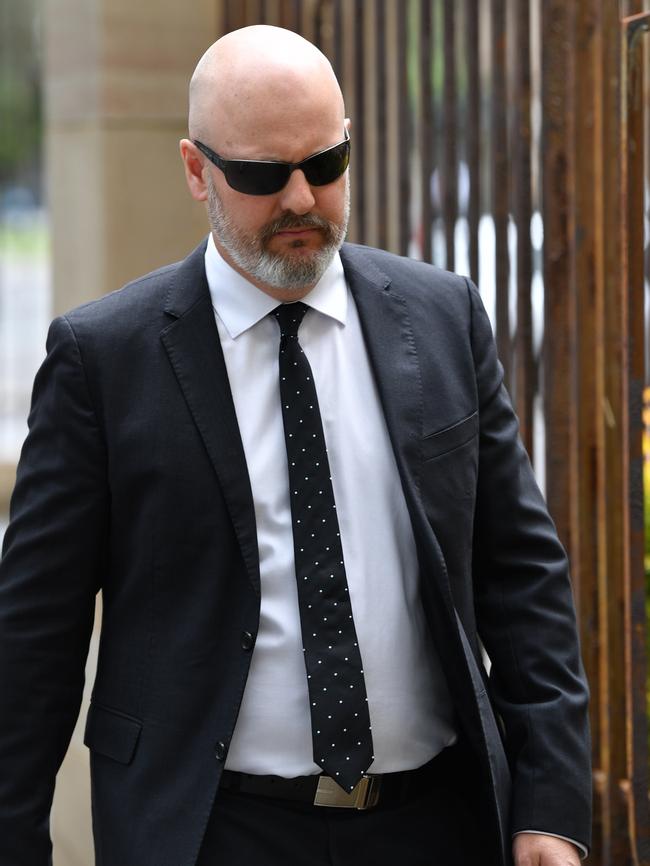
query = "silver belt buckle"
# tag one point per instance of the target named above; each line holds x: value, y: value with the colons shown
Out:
x: 364, y: 795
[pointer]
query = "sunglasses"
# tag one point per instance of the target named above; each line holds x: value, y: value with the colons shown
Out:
x: 259, y: 177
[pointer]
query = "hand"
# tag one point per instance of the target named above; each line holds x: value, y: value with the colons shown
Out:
x: 535, y: 849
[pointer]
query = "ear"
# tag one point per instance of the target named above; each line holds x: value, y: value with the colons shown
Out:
x: 347, y: 123
x: 193, y: 164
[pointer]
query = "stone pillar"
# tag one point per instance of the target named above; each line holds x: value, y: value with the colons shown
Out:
x: 116, y: 78
x: 116, y: 75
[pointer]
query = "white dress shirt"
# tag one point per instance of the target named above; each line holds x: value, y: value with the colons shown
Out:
x: 410, y: 708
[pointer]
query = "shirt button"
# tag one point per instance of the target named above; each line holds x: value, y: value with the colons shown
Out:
x: 247, y: 641
x: 220, y: 751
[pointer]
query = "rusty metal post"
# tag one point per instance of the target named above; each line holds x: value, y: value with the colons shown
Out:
x: 559, y: 314
x: 405, y: 120
x: 559, y: 300
x: 613, y: 554
x: 359, y: 184
x: 425, y: 125
x: 525, y: 375
x: 381, y: 125
x: 448, y: 177
x: 290, y: 15
x: 337, y: 39
x: 473, y: 129
x: 348, y: 85
x: 500, y: 184
x: 635, y: 785
x: 587, y: 228
x: 235, y: 16
x: 254, y: 11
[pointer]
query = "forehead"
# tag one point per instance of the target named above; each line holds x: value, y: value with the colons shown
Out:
x: 286, y: 119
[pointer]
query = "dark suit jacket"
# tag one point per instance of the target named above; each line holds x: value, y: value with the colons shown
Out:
x: 133, y: 481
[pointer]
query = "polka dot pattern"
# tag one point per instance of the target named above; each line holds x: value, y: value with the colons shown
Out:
x: 342, y: 738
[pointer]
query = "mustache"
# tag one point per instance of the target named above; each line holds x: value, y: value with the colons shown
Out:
x: 293, y: 221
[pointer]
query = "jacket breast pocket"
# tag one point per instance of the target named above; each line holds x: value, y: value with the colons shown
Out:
x: 111, y: 733
x: 452, y: 437
x: 450, y: 466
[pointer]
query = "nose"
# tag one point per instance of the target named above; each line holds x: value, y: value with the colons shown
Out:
x: 297, y: 195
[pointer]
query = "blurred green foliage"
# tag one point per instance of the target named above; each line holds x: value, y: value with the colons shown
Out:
x: 20, y: 140
x: 29, y: 242
x: 20, y: 93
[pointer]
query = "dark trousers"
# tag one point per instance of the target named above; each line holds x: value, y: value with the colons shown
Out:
x: 439, y: 827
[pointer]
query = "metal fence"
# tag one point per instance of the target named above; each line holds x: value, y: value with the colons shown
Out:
x: 507, y: 139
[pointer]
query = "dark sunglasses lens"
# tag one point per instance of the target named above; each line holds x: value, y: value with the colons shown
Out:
x: 256, y: 178
x: 326, y: 167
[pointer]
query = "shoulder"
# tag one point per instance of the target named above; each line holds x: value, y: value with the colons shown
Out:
x: 418, y: 283
x: 137, y: 298
x: 142, y: 304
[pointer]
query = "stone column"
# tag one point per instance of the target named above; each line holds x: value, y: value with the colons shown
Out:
x: 116, y: 75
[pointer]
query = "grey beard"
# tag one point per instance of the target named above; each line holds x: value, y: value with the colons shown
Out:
x: 278, y: 270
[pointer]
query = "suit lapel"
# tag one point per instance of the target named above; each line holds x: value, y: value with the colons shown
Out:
x: 192, y: 343
x: 391, y: 347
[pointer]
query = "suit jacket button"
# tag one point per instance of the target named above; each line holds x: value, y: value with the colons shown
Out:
x: 220, y: 751
x: 247, y: 641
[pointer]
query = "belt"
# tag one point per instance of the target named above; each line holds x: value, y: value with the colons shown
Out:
x: 370, y: 791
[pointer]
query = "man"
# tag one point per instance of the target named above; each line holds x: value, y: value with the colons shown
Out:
x: 296, y: 478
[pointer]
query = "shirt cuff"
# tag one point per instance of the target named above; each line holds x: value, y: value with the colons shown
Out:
x: 581, y: 848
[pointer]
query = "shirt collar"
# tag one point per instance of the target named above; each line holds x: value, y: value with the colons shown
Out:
x: 240, y: 305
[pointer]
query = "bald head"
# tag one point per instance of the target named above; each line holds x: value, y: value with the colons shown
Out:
x: 256, y: 80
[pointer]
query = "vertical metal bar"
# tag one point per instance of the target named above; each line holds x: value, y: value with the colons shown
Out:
x: 360, y: 136
x: 225, y: 17
x: 500, y: 183
x: 238, y: 15
x: 290, y: 15
x: 381, y: 137
x: 349, y: 26
x: 271, y: 12
x: 585, y: 246
x: 425, y: 124
x: 473, y: 130
x: 616, y: 846
x: 389, y: 51
x: 320, y: 18
x: 449, y: 175
x: 370, y: 151
x: 253, y: 12
x: 405, y: 129
x: 525, y: 385
x: 558, y: 311
x: 337, y: 55
x: 636, y: 783
x: 309, y: 16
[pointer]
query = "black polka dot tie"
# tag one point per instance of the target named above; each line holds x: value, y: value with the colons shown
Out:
x: 340, y: 719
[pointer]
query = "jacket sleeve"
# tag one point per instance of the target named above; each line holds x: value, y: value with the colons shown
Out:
x: 526, y: 619
x: 53, y: 557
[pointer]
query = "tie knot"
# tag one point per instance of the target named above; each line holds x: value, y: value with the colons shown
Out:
x: 289, y: 317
